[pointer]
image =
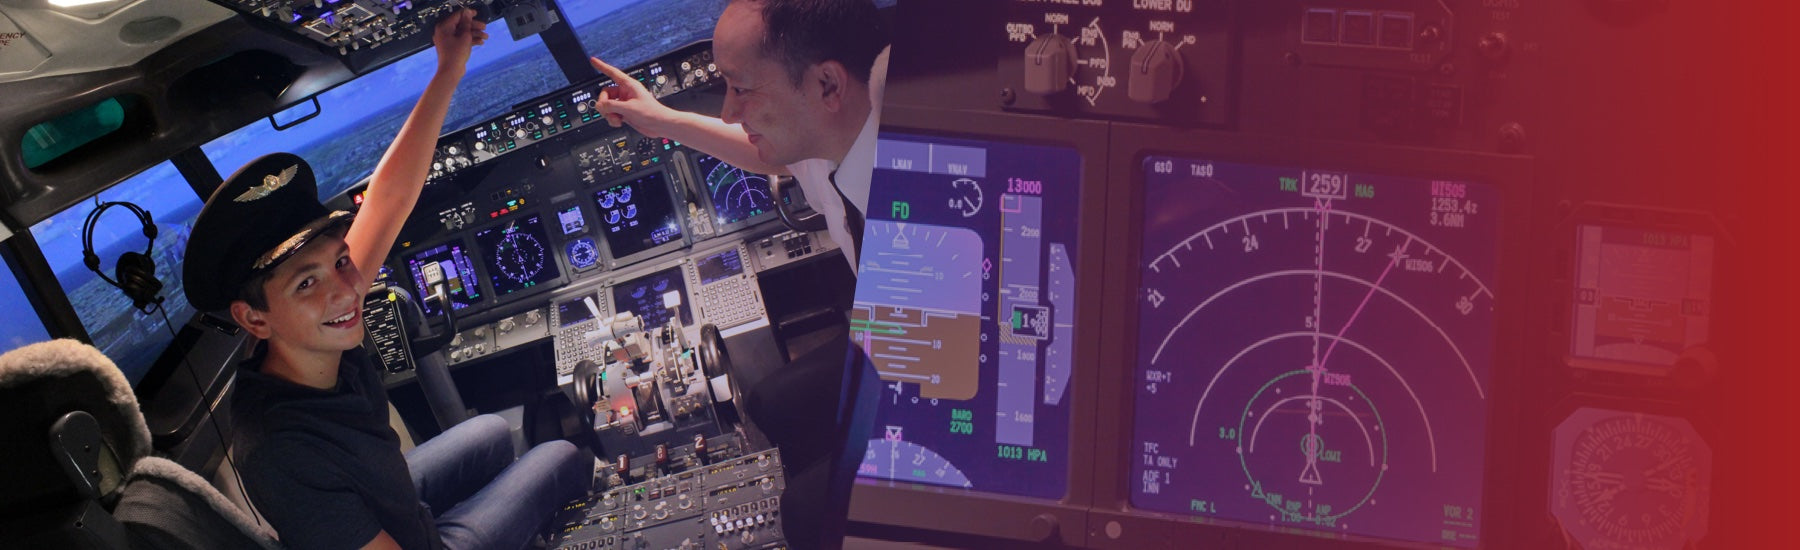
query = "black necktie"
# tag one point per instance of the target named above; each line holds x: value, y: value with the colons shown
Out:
x: 853, y: 218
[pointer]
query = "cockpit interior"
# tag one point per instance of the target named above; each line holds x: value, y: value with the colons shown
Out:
x: 1147, y: 274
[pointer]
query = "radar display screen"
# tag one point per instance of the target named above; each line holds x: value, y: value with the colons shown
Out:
x: 638, y: 214
x: 966, y: 304
x: 518, y: 255
x: 643, y: 296
x: 459, y: 275
x: 1314, y: 349
x: 1641, y: 295
x: 736, y: 194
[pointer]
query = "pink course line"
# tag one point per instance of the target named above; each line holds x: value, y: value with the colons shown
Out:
x: 1365, y: 303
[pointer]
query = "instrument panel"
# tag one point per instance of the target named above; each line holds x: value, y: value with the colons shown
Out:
x: 530, y: 212
x: 562, y: 112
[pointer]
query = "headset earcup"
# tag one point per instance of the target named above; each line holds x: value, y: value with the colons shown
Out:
x: 137, y: 277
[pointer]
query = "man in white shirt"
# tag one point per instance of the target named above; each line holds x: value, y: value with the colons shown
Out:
x: 803, y: 98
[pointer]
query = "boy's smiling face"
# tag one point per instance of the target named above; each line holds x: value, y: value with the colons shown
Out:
x: 314, y: 302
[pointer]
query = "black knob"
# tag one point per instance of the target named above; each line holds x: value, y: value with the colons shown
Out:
x: 1044, y: 527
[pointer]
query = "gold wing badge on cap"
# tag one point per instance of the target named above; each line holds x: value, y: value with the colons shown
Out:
x: 269, y: 184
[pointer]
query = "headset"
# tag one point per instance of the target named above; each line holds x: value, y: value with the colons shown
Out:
x: 136, y: 277
x: 134, y: 273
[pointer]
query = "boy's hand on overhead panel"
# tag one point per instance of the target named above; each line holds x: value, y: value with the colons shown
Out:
x: 455, y: 36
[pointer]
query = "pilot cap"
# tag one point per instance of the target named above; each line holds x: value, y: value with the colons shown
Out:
x: 259, y: 217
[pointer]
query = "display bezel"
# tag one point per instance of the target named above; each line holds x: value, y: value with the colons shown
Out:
x: 1601, y: 371
x: 711, y: 209
x: 993, y: 514
x: 1130, y: 145
x: 552, y: 250
x: 642, y: 272
x: 672, y: 180
x: 487, y: 292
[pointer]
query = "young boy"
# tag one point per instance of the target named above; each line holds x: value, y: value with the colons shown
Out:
x: 312, y: 440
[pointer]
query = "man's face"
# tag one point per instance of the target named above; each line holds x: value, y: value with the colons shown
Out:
x: 314, y: 304
x: 784, y: 121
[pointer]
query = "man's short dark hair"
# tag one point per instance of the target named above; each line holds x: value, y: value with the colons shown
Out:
x: 802, y: 33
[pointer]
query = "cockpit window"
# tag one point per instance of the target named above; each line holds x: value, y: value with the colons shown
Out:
x: 628, y: 32
x: 359, y: 118
x: 21, y: 326
x: 131, y: 338
x: 625, y: 33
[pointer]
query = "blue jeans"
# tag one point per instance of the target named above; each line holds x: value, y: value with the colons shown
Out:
x: 481, y: 497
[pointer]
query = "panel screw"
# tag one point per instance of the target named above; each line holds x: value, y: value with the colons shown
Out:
x: 1292, y: 59
x: 1512, y: 138
x: 1494, y: 47
x: 1007, y: 96
x: 1430, y: 35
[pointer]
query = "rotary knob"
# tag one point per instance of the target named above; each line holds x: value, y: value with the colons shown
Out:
x: 480, y: 146
x: 1156, y: 70
x: 581, y: 107
x: 1049, y: 62
x: 547, y: 120
x: 521, y: 134
x: 453, y: 150
x: 533, y: 317
x: 506, y: 325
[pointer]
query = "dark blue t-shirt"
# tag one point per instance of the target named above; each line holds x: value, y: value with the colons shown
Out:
x: 323, y: 466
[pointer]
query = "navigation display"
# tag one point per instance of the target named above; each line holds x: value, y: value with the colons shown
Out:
x: 1641, y: 296
x: 637, y: 214
x: 518, y: 256
x: 643, y: 296
x: 736, y: 194
x: 1314, y: 349
x: 459, y: 275
x: 966, y: 304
